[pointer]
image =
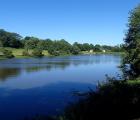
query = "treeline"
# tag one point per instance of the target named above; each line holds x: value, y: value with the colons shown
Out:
x: 54, y: 47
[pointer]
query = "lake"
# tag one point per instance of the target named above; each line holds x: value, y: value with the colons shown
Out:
x: 46, y: 85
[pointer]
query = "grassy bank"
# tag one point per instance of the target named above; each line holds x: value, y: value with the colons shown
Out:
x: 18, y: 53
x: 86, y: 52
x: 137, y: 81
x: 2, y: 58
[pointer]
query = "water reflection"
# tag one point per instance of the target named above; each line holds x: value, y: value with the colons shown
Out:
x: 44, y: 86
x: 14, y: 67
x: 50, y: 99
x: 8, y: 72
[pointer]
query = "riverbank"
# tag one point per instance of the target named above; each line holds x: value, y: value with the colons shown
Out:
x: 86, y: 52
x: 18, y: 53
x: 118, y: 98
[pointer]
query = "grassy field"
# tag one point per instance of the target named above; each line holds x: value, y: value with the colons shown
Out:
x: 18, y: 52
x: 137, y: 81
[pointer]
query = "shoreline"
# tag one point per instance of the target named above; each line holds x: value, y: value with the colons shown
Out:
x: 83, y: 53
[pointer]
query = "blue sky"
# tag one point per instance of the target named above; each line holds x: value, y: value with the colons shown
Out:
x: 92, y: 21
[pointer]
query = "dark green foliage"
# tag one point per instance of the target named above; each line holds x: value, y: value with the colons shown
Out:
x: 118, y: 48
x: 37, y: 53
x: 9, y: 39
x: 115, y: 100
x: 132, y: 45
x: 31, y: 43
x: 48, y: 44
x: 54, y: 47
x: 54, y: 52
x: 7, y: 53
x: 97, y: 48
x: 75, y: 50
x: 84, y: 46
x: 42, y: 45
x: 62, y: 47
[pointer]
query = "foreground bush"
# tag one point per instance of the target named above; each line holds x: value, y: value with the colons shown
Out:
x: 115, y: 100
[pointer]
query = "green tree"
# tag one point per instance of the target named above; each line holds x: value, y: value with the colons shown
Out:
x: 31, y: 42
x: 86, y: 47
x: 9, y: 39
x: 37, y: 53
x: 131, y: 63
x: 42, y: 45
x: 97, y: 48
x: 60, y: 47
x: 75, y: 50
x: 80, y: 46
x: 91, y: 46
x: 63, y: 46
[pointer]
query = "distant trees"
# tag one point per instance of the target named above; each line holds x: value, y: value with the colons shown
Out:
x: 37, y: 53
x: 132, y: 45
x: 8, y: 39
x: 97, y: 48
x: 42, y: 45
x: 117, y: 48
x: 84, y: 46
x: 30, y: 42
x: 62, y: 47
x: 54, y: 47
x: 75, y: 50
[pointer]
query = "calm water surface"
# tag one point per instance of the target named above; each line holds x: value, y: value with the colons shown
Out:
x: 45, y: 85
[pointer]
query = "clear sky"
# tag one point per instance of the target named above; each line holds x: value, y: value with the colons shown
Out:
x: 93, y: 21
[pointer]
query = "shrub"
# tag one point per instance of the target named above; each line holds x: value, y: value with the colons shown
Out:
x: 7, y: 53
x: 132, y: 45
x: 115, y: 100
x: 25, y: 53
x: 75, y: 50
x: 37, y: 53
x: 54, y: 52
